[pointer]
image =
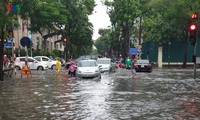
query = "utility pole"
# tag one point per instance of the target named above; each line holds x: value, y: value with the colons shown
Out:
x: 195, y: 63
x: 65, y: 48
x: 193, y: 29
x: 1, y: 54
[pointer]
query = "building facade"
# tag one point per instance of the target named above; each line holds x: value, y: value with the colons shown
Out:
x: 20, y: 30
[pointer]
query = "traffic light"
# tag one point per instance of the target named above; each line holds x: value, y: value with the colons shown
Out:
x: 65, y: 39
x: 193, y: 33
x: 194, y: 16
x: 193, y: 29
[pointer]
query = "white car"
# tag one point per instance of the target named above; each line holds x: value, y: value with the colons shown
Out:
x: 107, y: 64
x: 46, y: 60
x: 88, y: 69
x: 33, y: 64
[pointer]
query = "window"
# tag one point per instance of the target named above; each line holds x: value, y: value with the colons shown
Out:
x: 22, y: 59
x: 38, y: 59
x: 103, y: 61
x: 30, y: 60
x: 45, y: 59
x: 87, y: 64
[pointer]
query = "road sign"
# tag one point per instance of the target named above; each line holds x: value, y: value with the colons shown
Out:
x: 25, y: 41
x: 134, y: 51
x: 8, y: 44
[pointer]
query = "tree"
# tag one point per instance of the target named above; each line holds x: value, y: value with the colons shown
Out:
x: 79, y: 30
x: 103, y: 44
x: 162, y: 20
x: 6, y: 19
x: 47, y: 17
x: 168, y: 20
x: 122, y: 15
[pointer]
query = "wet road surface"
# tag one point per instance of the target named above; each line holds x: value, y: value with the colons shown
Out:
x: 164, y: 94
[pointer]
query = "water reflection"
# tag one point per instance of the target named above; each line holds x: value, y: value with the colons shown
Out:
x: 47, y: 95
x: 190, y: 107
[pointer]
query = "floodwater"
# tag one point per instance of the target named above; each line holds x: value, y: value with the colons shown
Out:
x: 164, y: 94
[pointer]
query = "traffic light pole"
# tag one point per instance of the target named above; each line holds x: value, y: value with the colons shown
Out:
x: 195, y: 47
x: 193, y: 28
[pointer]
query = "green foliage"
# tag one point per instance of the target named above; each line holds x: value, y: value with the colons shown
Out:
x: 5, y: 34
x: 45, y: 15
x: 36, y: 53
x: 100, y: 45
x: 162, y: 19
x: 56, y: 52
x: 6, y: 18
x: 94, y: 52
x: 7, y: 52
x: 48, y: 17
x: 103, y: 43
x: 167, y: 20
x: 40, y: 53
x: 78, y: 29
x: 122, y: 15
x: 22, y: 52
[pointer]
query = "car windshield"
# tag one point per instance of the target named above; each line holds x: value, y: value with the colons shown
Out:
x: 103, y: 61
x: 87, y: 64
x: 143, y: 61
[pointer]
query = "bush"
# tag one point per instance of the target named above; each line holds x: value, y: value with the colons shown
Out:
x: 55, y: 53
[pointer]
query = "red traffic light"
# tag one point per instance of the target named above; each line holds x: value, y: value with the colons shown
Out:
x: 192, y: 27
x: 65, y: 39
x: 194, y: 16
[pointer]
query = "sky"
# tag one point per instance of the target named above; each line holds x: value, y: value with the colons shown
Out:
x: 99, y: 18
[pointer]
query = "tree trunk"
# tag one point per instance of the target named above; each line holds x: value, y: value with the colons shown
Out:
x: 126, y: 41
x: 45, y: 44
x: 140, y: 31
x: 1, y: 55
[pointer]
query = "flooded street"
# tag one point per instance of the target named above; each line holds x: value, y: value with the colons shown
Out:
x: 164, y: 94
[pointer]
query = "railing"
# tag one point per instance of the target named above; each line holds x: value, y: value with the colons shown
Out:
x: 8, y: 70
